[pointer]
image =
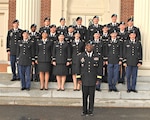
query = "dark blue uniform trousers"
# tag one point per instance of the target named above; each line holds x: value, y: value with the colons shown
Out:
x: 113, y: 74
x: 25, y: 75
x: 131, y: 71
x: 14, y: 66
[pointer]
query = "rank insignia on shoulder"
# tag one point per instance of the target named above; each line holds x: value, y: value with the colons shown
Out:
x: 128, y: 45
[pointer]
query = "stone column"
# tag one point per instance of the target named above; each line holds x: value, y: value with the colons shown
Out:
x: 142, y: 20
x: 28, y: 12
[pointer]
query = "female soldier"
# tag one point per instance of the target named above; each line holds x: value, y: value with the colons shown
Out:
x: 61, y: 61
x: 43, y: 59
x: 77, y: 47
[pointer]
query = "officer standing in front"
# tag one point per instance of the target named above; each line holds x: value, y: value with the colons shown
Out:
x: 89, y: 71
x: 14, y: 35
x: 132, y: 60
x: 25, y: 58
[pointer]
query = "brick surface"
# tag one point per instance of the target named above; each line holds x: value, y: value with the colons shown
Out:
x: 127, y: 9
x: 45, y: 10
x: 12, y: 12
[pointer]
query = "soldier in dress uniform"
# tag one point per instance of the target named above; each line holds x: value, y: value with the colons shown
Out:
x: 61, y: 60
x: 113, y: 25
x: 53, y: 36
x: 77, y: 46
x: 43, y: 59
x: 89, y: 71
x: 69, y: 37
x: 130, y: 27
x: 34, y: 36
x: 98, y: 48
x: 123, y: 35
x: 25, y: 57
x: 114, y: 56
x: 46, y: 26
x: 105, y: 37
x: 14, y: 35
x: 94, y: 28
x: 62, y: 29
x: 80, y: 28
x: 132, y: 60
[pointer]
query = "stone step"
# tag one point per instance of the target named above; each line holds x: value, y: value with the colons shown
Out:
x: 7, y: 76
x: 69, y: 93
x: 141, y: 86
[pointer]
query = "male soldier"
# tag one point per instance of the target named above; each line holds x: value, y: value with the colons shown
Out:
x: 113, y: 25
x: 89, y: 71
x: 132, y: 60
x: 131, y: 27
x: 62, y: 29
x: 94, y: 27
x: 123, y: 35
x: 105, y: 37
x: 114, y: 55
x: 80, y: 28
x: 98, y: 48
x: 53, y: 36
x: 25, y: 57
x: 69, y: 37
x: 46, y: 26
x: 14, y: 35
x: 34, y: 38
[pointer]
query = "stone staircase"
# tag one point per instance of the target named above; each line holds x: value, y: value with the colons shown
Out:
x: 10, y: 93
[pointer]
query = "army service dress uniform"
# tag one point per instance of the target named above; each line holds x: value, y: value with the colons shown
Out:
x: 76, y: 48
x: 44, y: 55
x: 114, y: 52
x: 13, y: 37
x: 89, y: 70
x: 61, y: 55
x: 25, y: 56
x: 132, y: 56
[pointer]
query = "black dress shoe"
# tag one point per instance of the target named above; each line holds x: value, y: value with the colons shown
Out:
x: 13, y: 79
x: 46, y: 88
x: 84, y: 114
x: 90, y: 113
x: 128, y: 91
x: 41, y: 88
x: 116, y: 90
x: 74, y: 89
x: 58, y: 89
x: 135, y: 91
x: 62, y: 89
x: 98, y: 89
x: 22, y: 88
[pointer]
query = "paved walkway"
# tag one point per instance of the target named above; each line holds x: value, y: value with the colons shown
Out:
x: 70, y: 113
